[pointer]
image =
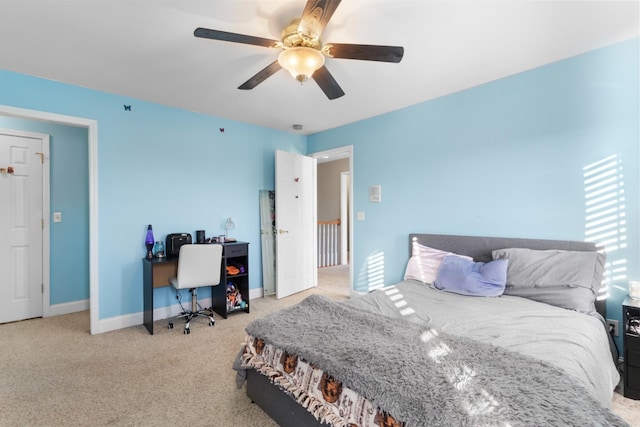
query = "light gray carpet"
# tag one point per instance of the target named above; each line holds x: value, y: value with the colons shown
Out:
x: 54, y: 373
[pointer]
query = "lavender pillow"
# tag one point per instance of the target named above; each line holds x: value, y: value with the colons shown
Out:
x: 467, y: 277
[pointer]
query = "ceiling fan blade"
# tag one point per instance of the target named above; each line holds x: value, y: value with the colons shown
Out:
x: 233, y: 37
x: 316, y: 15
x: 327, y: 83
x: 364, y: 52
x: 261, y: 76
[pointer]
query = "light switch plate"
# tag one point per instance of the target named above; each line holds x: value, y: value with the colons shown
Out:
x: 375, y: 193
x: 57, y: 217
x: 360, y: 216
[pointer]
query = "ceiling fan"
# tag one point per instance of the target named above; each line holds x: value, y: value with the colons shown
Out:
x: 303, y: 53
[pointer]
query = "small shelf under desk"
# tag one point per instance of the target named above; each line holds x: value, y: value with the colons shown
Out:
x: 157, y: 271
x: 234, y: 254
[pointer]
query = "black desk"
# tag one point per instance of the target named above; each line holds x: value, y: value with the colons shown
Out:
x: 157, y: 271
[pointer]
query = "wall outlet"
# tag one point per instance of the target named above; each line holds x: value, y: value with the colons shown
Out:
x: 613, y: 326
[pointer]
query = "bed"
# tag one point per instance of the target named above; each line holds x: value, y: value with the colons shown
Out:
x: 429, y: 351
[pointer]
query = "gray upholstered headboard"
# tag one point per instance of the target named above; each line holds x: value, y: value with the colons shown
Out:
x: 480, y: 248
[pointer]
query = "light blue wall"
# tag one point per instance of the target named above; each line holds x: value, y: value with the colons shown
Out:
x: 163, y: 166
x: 502, y: 159
x: 69, y: 183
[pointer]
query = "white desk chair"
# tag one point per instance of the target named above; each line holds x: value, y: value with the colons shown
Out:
x: 198, y: 266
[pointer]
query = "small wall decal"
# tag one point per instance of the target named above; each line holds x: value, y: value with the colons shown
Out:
x: 127, y: 107
x: 221, y: 130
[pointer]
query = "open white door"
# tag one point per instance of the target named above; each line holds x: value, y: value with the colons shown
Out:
x: 22, y: 224
x: 296, y: 216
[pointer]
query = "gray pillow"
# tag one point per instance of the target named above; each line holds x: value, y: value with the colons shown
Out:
x: 568, y: 279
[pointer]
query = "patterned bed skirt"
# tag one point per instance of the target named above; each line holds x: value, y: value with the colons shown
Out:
x: 326, y: 398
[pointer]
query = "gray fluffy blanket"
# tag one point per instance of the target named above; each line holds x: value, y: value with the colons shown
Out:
x: 427, y: 378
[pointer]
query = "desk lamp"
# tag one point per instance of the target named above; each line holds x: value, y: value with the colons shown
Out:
x: 228, y: 225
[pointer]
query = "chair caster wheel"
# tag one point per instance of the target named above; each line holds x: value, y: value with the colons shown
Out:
x: 187, y: 331
x: 170, y: 325
x: 211, y: 323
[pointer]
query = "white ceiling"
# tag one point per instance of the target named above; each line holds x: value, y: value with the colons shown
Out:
x: 145, y: 50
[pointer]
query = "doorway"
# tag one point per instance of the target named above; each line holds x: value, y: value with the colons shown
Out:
x: 335, y: 205
x: 92, y: 141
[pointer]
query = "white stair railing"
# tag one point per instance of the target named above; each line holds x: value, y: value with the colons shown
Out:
x: 328, y: 243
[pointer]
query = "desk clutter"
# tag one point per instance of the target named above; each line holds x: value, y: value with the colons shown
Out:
x: 171, y: 249
x: 174, y: 241
x: 234, y: 298
x: 234, y: 269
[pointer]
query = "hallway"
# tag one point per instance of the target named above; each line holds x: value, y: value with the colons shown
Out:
x: 336, y: 277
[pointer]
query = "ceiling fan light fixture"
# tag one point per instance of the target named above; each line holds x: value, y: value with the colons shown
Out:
x: 301, y: 62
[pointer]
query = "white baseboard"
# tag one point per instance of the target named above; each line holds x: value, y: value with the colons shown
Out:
x: 256, y: 293
x: 67, y: 308
x: 134, y: 319
x: 119, y: 322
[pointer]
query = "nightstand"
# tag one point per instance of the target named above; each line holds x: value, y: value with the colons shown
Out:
x: 631, y: 340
